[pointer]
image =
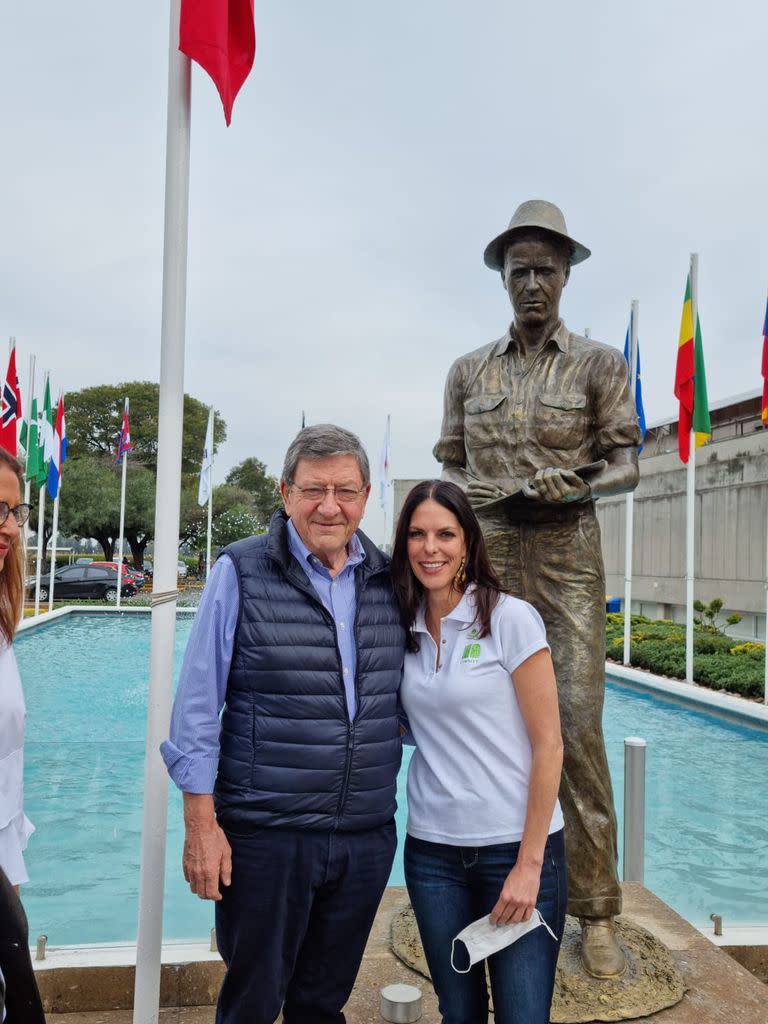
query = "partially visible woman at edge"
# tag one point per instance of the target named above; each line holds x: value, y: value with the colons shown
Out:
x: 22, y: 1001
x: 485, y: 829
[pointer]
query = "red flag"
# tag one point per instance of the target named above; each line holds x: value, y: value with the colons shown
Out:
x: 11, y: 407
x: 220, y: 36
x: 764, y: 411
x: 124, y: 443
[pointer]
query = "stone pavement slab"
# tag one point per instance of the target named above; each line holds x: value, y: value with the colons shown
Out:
x: 719, y: 990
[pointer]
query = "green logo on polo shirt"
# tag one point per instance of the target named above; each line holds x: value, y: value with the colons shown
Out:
x: 471, y: 654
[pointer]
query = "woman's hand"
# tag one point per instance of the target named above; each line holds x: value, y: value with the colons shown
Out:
x: 518, y: 895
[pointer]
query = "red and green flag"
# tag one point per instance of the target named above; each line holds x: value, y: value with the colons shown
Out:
x: 691, y: 381
x: 764, y: 413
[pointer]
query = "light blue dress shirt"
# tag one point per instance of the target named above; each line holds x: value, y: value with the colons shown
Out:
x: 191, y: 753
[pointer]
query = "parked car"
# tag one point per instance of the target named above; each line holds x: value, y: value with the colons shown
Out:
x: 182, y: 569
x: 82, y: 581
x: 128, y: 573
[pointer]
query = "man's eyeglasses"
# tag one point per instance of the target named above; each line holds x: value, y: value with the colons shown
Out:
x: 344, y: 495
x: 20, y: 513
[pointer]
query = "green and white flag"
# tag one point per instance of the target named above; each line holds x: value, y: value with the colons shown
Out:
x: 44, y: 437
x: 31, y: 447
x: 49, y: 421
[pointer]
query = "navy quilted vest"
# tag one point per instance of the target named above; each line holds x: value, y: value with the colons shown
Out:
x: 289, y: 755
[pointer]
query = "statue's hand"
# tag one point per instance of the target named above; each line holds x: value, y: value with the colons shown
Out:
x: 479, y: 492
x: 557, y: 485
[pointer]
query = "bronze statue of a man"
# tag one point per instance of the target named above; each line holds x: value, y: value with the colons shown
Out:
x: 521, y: 414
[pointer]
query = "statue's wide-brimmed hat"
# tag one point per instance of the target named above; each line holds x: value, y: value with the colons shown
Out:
x: 535, y: 213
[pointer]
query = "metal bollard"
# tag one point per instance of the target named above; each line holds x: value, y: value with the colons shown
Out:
x: 634, y: 809
x: 718, y: 922
x: 214, y: 943
x: 40, y: 952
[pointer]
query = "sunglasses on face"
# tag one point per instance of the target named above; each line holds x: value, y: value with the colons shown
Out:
x: 19, y: 512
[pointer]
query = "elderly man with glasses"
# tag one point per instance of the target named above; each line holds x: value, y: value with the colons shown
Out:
x: 289, y: 798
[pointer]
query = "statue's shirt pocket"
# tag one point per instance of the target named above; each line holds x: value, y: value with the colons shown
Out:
x: 560, y: 420
x: 484, y: 419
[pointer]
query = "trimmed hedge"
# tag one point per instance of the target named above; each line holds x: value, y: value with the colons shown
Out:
x: 720, y: 662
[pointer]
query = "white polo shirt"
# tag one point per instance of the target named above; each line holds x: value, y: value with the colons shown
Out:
x: 469, y: 775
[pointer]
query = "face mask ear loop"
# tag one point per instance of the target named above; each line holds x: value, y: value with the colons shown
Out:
x: 546, y: 925
x: 453, y: 965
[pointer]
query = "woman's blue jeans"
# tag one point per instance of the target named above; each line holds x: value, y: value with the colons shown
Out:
x: 449, y: 887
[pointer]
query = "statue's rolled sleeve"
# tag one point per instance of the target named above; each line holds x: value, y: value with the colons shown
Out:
x: 450, y: 448
x: 615, y: 416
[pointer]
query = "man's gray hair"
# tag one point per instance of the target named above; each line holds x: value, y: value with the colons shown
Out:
x: 323, y: 441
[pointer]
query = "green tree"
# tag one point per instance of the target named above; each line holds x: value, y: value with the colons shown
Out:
x: 251, y: 476
x: 234, y: 524
x: 708, y: 614
x: 95, y: 415
x: 139, y: 510
x: 90, y: 502
x: 94, y: 418
x: 194, y: 517
x: 34, y: 501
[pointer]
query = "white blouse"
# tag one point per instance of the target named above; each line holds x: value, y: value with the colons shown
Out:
x: 15, y: 827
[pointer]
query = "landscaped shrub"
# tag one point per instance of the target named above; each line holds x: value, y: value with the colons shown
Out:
x: 659, y: 646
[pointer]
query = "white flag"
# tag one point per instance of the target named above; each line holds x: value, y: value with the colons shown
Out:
x: 206, y: 471
x: 384, y: 469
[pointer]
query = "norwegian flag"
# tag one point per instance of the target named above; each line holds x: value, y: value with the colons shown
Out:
x: 124, y: 444
x: 11, y: 407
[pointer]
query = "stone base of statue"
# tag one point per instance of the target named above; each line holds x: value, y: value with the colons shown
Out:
x: 650, y: 983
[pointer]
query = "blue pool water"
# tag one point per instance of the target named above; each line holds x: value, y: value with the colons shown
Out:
x: 85, y: 680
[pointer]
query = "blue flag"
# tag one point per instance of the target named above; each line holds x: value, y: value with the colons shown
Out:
x: 638, y: 391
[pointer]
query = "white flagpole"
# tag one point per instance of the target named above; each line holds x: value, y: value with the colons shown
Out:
x: 40, y: 551
x: 124, y: 459
x: 164, y: 593
x: 630, y: 496
x: 210, y: 506
x: 384, y: 475
x: 40, y: 519
x: 52, y: 573
x: 690, y: 496
x: 765, y: 679
x: 27, y: 483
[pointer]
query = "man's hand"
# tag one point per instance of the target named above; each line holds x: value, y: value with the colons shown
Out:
x: 557, y: 485
x: 479, y: 492
x: 207, y: 858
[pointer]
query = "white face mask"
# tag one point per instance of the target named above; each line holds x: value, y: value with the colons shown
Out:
x: 482, y: 939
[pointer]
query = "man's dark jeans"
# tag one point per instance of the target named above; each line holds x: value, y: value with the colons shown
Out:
x: 450, y: 886
x: 293, y: 924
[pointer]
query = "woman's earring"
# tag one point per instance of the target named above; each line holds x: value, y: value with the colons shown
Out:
x: 461, y: 576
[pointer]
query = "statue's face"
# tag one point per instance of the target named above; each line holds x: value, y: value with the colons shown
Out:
x: 535, y: 273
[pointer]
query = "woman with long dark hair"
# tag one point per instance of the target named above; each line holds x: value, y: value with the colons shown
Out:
x: 22, y: 1002
x: 485, y: 829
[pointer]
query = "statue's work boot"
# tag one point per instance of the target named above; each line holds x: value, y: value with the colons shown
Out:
x: 601, y: 954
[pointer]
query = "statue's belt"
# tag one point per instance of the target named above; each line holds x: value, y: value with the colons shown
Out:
x: 536, y: 513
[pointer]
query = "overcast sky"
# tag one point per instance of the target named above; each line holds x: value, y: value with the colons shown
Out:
x: 337, y: 228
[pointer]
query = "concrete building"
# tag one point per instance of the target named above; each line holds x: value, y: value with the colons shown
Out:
x: 731, y: 520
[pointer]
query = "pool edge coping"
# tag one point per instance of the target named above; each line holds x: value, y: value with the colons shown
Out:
x: 691, y: 693
x: 78, y: 609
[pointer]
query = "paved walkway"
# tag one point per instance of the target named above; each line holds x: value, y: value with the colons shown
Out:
x: 718, y: 989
